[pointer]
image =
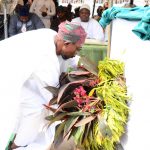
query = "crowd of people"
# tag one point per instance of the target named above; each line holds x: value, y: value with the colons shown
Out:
x: 30, y: 15
x: 34, y: 14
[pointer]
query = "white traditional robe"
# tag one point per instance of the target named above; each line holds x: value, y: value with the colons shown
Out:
x: 48, y: 6
x: 28, y: 63
x: 92, y: 28
x: 128, y: 47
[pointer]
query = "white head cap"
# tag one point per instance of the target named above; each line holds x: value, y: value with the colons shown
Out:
x: 85, y: 6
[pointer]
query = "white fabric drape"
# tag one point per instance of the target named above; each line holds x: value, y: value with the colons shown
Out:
x: 126, y: 46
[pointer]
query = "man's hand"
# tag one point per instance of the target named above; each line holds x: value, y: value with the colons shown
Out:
x: 44, y: 14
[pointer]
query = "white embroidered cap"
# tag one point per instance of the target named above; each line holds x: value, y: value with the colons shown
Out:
x: 85, y: 6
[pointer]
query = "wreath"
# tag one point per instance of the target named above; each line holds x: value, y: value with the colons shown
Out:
x: 92, y: 105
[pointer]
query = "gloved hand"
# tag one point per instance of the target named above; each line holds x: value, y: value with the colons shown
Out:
x: 44, y: 14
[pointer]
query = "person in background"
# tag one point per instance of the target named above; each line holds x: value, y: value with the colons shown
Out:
x: 76, y: 12
x: 24, y: 21
x: 62, y: 15
x: 100, y: 10
x: 28, y: 2
x: 146, y: 3
x: 90, y: 25
x: 22, y: 3
x: 105, y: 5
x: 44, y: 55
x: 10, y: 6
x: 70, y: 13
x: 45, y: 9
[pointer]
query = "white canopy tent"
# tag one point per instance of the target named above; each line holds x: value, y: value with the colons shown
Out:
x: 134, y: 52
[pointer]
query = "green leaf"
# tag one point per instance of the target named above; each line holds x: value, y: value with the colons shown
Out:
x: 79, y: 114
x: 85, y: 135
x: 78, y: 134
x: 85, y: 121
x: 59, y: 129
x: 53, y: 90
x: 69, y: 104
x: 69, y: 123
x: 49, y: 117
x: 89, y: 65
x: 58, y: 139
x: 53, y: 101
x: 56, y: 118
x: 72, y: 132
x: 50, y: 108
x: 72, y: 78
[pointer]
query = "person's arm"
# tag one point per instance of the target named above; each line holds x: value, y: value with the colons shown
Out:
x: 37, y: 21
x: 12, y: 30
x: 51, y: 10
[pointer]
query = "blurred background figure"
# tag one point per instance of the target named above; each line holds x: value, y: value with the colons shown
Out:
x: 105, y: 5
x: 100, y: 10
x: 70, y: 13
x: 90, y: 25
x: 45, y: 9
x: 10, y: 7
x: 129, y: 4
x: 22, y: 3
x: 24, y: 21
x: 62, y: 15
x: 28, y: 2
x: 76, y: 12
x: 147, y: 2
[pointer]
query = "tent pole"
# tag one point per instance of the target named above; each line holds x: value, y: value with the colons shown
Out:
x: 131, y: 2
x: 109, y: 33
x: 5, y: 20
x: 93, y: 8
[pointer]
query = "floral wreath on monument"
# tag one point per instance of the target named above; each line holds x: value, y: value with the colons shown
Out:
x: 92, y: 105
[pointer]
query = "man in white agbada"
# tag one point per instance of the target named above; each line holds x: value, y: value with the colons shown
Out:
x: 45, y: 9
x: 90, y: 25
x: 29, y: 62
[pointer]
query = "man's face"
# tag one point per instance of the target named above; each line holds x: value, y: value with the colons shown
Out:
x: 105, y: 5
x: 69, y: 50
x: 84, y: 15
x: 24, y: 18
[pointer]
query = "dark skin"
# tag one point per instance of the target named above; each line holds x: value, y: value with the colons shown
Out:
x: 84, y: 15
x: 24, y: 18
x: 66, y: 49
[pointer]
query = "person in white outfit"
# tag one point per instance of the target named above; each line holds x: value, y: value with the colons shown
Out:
x: 90, y: 25
x: 37, y: 64
x: 45, y: 9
